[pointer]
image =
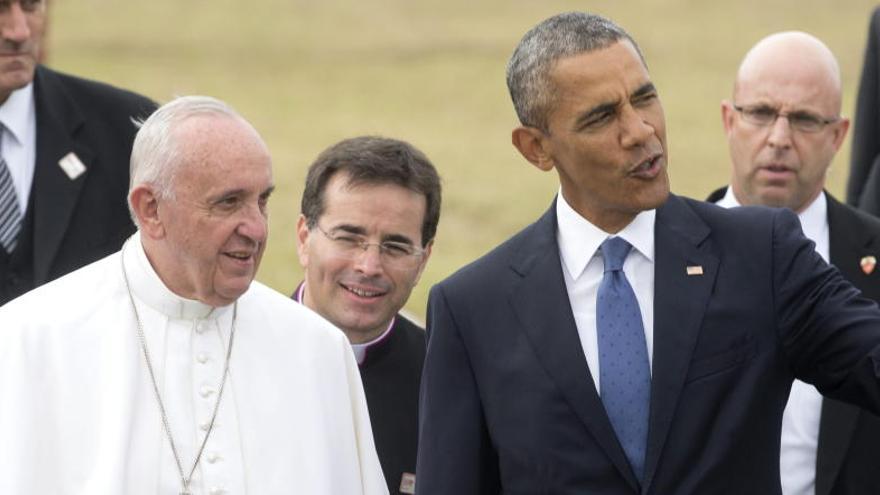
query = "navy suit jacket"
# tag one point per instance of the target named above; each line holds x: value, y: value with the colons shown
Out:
x: 849, y: 438
x: 508, y: 404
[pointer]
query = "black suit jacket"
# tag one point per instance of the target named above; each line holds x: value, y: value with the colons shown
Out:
x: 72, y: 222
x: 508, y: 405
x: 391, y: 373
x: 848, y: 454
x: 863, y: 186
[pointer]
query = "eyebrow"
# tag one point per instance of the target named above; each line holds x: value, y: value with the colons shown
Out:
x: 602, y: 108
x: 644, y: 89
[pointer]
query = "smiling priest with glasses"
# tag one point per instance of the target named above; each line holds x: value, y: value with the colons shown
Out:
x: 369, y: 214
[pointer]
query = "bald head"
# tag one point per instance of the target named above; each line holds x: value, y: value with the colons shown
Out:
x: 791, y: 57
x: 783, y: 125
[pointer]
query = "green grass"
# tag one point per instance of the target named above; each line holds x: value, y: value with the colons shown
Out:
x: 308, y: 73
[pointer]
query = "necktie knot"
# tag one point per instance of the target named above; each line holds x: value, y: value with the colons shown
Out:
x: 614, y: 251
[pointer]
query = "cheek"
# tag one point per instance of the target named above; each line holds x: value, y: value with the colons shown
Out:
x: 325, y: 271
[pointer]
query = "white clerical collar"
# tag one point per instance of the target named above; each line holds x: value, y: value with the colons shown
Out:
x: 360, y: 350
x: 579, y: 239
x: 814, y: 219
x: 15, y: 112
x: 149, y: 288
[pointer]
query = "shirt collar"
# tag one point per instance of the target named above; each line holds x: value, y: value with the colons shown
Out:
x: 360, y: 350
x: 579, y: 239
x: 813, y: 219
x: 15, y: 110
x: 149, y: 288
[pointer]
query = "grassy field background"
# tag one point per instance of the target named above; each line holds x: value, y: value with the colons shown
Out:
x: 308, y: 73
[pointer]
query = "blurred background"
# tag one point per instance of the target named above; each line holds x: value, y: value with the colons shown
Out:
x: 308, y: 73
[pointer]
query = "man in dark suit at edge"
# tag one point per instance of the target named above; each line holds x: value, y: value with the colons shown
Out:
x: 629, y: 341
x: 863, y: 185
x: 65, y: 147
x: 784, y: 127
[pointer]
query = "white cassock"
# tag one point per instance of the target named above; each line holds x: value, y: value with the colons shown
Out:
x: 78, y: 413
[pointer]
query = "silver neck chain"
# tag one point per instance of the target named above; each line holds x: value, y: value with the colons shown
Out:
x: 185, y: 480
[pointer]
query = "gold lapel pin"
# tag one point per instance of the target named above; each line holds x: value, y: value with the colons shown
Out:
x: 868, y: 263
x: 695, y: 270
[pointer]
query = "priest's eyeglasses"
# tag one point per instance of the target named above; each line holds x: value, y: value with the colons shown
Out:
x: 393, y: 254
x: 798, y: 120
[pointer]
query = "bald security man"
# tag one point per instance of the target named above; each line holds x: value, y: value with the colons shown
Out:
x: 784, y: 128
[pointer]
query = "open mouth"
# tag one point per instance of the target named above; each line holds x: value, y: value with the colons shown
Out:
x: 239, y: 255
x: 649, y: 168
x: 365, y: 293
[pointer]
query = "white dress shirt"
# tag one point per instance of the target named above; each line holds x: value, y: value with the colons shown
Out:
x: 582, y: 266
x: 78, y: 413
x: 803, y: 412
x: 19, y: 117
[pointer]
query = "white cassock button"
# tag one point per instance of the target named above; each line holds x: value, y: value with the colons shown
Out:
x: 203, y: 327
x: 204, y: 425
x: 202, y: 358
x: 213, y: 457
x: 216, y: 490
x: 206, y: 391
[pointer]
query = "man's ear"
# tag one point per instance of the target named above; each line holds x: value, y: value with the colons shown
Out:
x: 302, y: 236
x: 728, y: 113
x: 839, y: 130
x: 423, y: 263
x: 145, y: 205
x: 532, y: 144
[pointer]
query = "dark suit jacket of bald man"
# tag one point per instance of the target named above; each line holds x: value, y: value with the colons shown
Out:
x: 71, y: 222
x: 508, y: 404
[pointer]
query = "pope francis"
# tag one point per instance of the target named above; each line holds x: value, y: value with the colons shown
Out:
x: 164, y: 368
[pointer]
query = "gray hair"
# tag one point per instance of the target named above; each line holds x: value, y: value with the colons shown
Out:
x: 561, y: 36
x: 156, y: 153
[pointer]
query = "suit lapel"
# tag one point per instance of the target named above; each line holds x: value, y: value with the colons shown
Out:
x: 55, y: 194
x: 835, y: 433
x: 849, y: 241
x: 680, y: 300
x: 540, y: 302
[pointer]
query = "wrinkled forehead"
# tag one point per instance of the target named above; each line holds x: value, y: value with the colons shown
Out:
x: 220, y: 150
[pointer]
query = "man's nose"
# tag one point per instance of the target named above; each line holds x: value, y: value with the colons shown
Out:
x: 780, y: 133
x: 255, y: 224
x: 14, y: 24
x: 369, y: 259
x: 635, y: 130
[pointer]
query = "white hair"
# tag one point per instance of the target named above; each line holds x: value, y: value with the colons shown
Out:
x: 156, y: 153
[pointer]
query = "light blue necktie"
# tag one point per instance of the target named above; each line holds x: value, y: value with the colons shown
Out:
x: 10, y: 213
x: 625, y: 377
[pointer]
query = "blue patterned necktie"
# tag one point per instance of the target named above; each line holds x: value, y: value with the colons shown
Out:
x: 625, y: 377
x: 10, y: 213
